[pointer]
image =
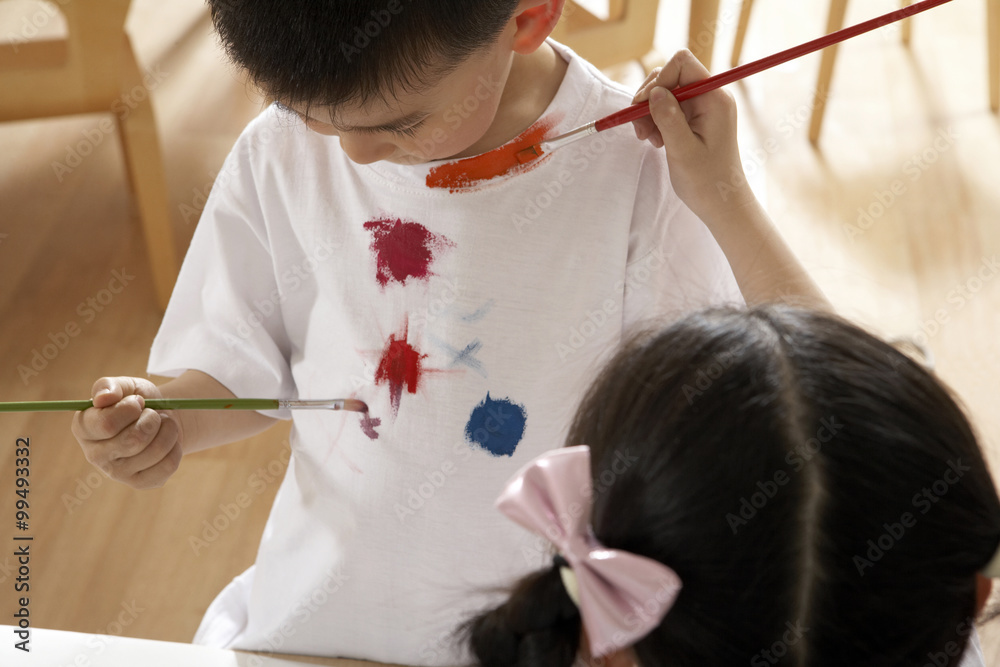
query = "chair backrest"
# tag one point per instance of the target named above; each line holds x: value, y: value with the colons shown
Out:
x: 627, y: 33
x: 78, y: 74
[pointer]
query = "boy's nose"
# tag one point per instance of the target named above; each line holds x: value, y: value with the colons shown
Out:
x: 365, y: 150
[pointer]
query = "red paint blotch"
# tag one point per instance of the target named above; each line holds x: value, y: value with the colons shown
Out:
x: 473, y: 171
x: 399, y: 366
x: 402, y: 249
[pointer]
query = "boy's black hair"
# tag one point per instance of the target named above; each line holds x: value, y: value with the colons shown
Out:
x: 336, y: 52
x: 821, y: 496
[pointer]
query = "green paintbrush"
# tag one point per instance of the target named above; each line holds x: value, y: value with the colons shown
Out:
x: 350, y: 404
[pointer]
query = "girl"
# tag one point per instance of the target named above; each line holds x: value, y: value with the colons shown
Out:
x: 781, y: 487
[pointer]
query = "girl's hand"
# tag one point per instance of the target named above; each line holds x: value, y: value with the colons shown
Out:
x: 699, y: 136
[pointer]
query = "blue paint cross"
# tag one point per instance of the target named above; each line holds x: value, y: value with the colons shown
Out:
x: 466, y: 357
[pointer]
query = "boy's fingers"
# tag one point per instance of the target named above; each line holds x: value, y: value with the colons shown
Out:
x: 105, y: 423
x: 157, y: 475
x: 109, y: 390
x: 151, y: 453
x: 134, y: 438
x: 106, y: 391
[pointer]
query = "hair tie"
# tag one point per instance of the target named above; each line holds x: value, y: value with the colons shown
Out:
x: 992, y: 569
x: 569, y: 581
x: 622, y: 596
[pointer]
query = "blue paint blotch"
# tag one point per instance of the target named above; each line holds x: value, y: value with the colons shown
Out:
x: 497, y: 426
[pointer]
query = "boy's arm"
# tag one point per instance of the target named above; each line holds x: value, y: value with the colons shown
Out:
x: 141, y: 447
x: 699, y: 137
x: 203, y: 429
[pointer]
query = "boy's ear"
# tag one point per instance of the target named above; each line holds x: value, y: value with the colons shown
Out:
x: 535, y: 21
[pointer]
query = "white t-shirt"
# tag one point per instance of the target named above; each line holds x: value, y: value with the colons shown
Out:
x: 469, y: 321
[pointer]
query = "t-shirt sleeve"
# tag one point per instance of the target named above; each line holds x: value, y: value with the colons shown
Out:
x: 675, y: 265
x: 973, y: 656
x: 224, y: 317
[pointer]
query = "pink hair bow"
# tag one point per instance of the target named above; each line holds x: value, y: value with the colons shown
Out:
x: 622, y: 596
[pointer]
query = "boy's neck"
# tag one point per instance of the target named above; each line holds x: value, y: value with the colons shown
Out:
x: 532, y: 83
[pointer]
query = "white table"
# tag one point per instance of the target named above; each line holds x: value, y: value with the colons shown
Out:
x: 56, y: 648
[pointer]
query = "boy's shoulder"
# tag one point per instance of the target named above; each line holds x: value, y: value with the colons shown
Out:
x: 601, y: 94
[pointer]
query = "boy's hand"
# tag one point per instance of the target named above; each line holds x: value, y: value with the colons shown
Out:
x: 127, y: 441
x: 699, y: 136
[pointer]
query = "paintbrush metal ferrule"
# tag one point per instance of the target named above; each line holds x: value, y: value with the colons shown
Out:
x: 349, y: 404
x: 549, y: 145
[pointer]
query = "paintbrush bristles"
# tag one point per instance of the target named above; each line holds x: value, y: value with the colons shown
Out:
x: 529, y: 154
x: 354, y: 405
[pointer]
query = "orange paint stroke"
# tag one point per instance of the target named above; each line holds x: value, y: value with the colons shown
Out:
x: 502, y: 161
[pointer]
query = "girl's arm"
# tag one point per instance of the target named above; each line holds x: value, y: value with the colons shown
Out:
x: 699, y: 137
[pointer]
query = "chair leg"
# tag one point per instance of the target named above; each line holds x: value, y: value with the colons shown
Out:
x: 701, y: 29
x: 838, y: 9
x: 907, y: 25
x: 993, y: 19
x: 741, y: 31
x: 652, y: 60
x: 144, y: 164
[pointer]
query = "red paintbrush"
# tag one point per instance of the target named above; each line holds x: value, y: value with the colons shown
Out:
x: 637, y: 111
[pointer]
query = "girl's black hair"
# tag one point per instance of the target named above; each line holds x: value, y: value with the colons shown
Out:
x: 821, y: 496
x: 335, y: 52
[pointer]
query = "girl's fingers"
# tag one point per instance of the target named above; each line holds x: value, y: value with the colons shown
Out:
x: 682, y: 70
x: 672, y: 124
x: 644, y: 128
x: 643, y: 93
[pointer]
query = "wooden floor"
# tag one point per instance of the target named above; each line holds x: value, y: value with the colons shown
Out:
x: 111, y: 560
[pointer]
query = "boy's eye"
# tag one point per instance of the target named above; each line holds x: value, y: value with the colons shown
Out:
x: 408, y: 131
x: 403, y: 131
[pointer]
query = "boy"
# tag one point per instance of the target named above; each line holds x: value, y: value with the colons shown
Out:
x: 330, y: 263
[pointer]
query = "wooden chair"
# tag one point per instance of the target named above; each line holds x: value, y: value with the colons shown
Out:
x: 94, y: 70
x: 835, y: 21
x: 701, y: 30
x: 628, y: 31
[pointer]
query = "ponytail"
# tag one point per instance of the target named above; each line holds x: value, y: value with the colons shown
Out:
x: 538, y: 626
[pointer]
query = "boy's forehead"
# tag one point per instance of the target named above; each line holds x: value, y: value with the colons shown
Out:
x: 423, y: 92
x: 373, y: 115
x: 390, y: 106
